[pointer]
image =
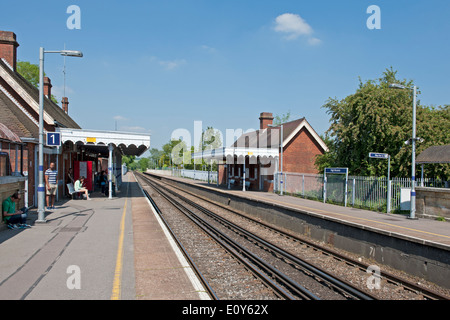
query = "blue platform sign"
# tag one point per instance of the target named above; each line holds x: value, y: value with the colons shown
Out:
x: 336, y: 170
x: 53, y: 139
x: 378, y: 155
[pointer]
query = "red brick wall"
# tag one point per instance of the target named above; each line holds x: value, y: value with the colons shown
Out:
x: 8, y: 47
x: 300, y: 154
x: 222, y: 176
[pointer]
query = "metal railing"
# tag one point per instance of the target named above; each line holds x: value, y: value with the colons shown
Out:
x: 362, y: 192
x: 206, y: 176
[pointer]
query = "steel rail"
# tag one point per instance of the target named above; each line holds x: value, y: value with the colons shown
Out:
x: 253, y: 262
x: 334, y: 281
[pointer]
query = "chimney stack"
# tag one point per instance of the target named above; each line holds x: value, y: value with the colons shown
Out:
x: 65, y: 104
x: 8, y: 48
x: 47, y: 87
x: 265, y: 119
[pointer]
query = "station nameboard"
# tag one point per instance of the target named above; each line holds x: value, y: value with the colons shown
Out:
x: 378, y: 155
x: 336, y: 170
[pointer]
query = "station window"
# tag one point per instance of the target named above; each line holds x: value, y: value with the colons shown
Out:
x: 5, y: 168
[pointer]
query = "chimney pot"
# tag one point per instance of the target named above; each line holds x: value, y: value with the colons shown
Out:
x: 47, y: 87
x: 8, y: 48
x: 65, y: 104
x: 265, y: 119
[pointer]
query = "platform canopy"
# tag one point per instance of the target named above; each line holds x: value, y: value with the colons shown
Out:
x: 435, y: 154
x: 97, y: 141
x: 222, y: 153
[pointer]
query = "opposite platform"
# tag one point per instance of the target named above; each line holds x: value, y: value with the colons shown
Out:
x: 422, y: 230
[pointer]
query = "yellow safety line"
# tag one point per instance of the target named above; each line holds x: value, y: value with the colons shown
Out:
x: 118, y: 272
x: 344, y: 215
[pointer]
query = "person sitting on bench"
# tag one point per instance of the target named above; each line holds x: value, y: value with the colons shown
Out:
x: 14, y: 219
x: 79, y: 187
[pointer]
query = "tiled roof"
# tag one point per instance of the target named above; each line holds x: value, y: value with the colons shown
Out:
x: 51, y: 108
x: 16, y: 120
x: 435, y: 154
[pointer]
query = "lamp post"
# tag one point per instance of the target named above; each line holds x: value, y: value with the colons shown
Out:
x: 41, y: 186
x: 412, y: 214
x: 281, y: 155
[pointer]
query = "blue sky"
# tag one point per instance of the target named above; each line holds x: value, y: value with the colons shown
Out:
x: 155, y: 66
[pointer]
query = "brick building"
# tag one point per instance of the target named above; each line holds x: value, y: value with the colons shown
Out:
x: 80, y: 149
x: 19, y: 113
x: 255, y: 157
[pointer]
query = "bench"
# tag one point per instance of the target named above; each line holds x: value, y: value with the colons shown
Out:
x: 72, y: 190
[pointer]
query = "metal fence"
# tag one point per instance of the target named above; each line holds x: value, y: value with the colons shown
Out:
x: 210, y: 176
x: 363, y: 192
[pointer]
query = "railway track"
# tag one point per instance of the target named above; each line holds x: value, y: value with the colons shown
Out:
x: 392, y: 281
x: 284, y: 285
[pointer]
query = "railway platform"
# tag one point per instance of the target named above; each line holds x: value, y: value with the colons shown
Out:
x: 421, y: 230
x: 94, y: 250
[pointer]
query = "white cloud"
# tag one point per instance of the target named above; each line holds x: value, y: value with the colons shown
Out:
x: 170, y: 65
x: 208, y: 49
x: 120, y: 118
x: 167, y: 64
x: 293, y: 26
x: 314, y: 41
x: 134, y: 129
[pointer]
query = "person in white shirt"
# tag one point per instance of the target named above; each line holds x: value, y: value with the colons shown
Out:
x: 79, y: 187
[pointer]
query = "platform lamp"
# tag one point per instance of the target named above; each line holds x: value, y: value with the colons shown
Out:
x: 281, y: 154
x: 413, y: 140
x: 41, y: 187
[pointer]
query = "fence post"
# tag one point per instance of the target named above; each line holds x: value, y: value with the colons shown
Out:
x: 324, y: 187
x: 346, y: 188
x: 353, y: 192
x: 303, y: 185
x: 389, y: 195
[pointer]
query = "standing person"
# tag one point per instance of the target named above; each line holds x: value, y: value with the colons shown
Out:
x: 70, y: 180
x: 103, y: 181
x: 70, y: 176
x: 51, y: 183
x: 14, y: 219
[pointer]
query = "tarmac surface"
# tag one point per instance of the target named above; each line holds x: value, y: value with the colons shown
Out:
x: 93, y: 250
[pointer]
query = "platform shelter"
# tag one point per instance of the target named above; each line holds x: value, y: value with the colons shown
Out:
x: 91, y: 151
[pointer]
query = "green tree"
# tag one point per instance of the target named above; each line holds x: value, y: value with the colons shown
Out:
x: 128, y: 160
x: 31, y: 73
x: 282, y: 119
x: 211, y: 139
x: 377, y: 118
x: 143, y: 164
